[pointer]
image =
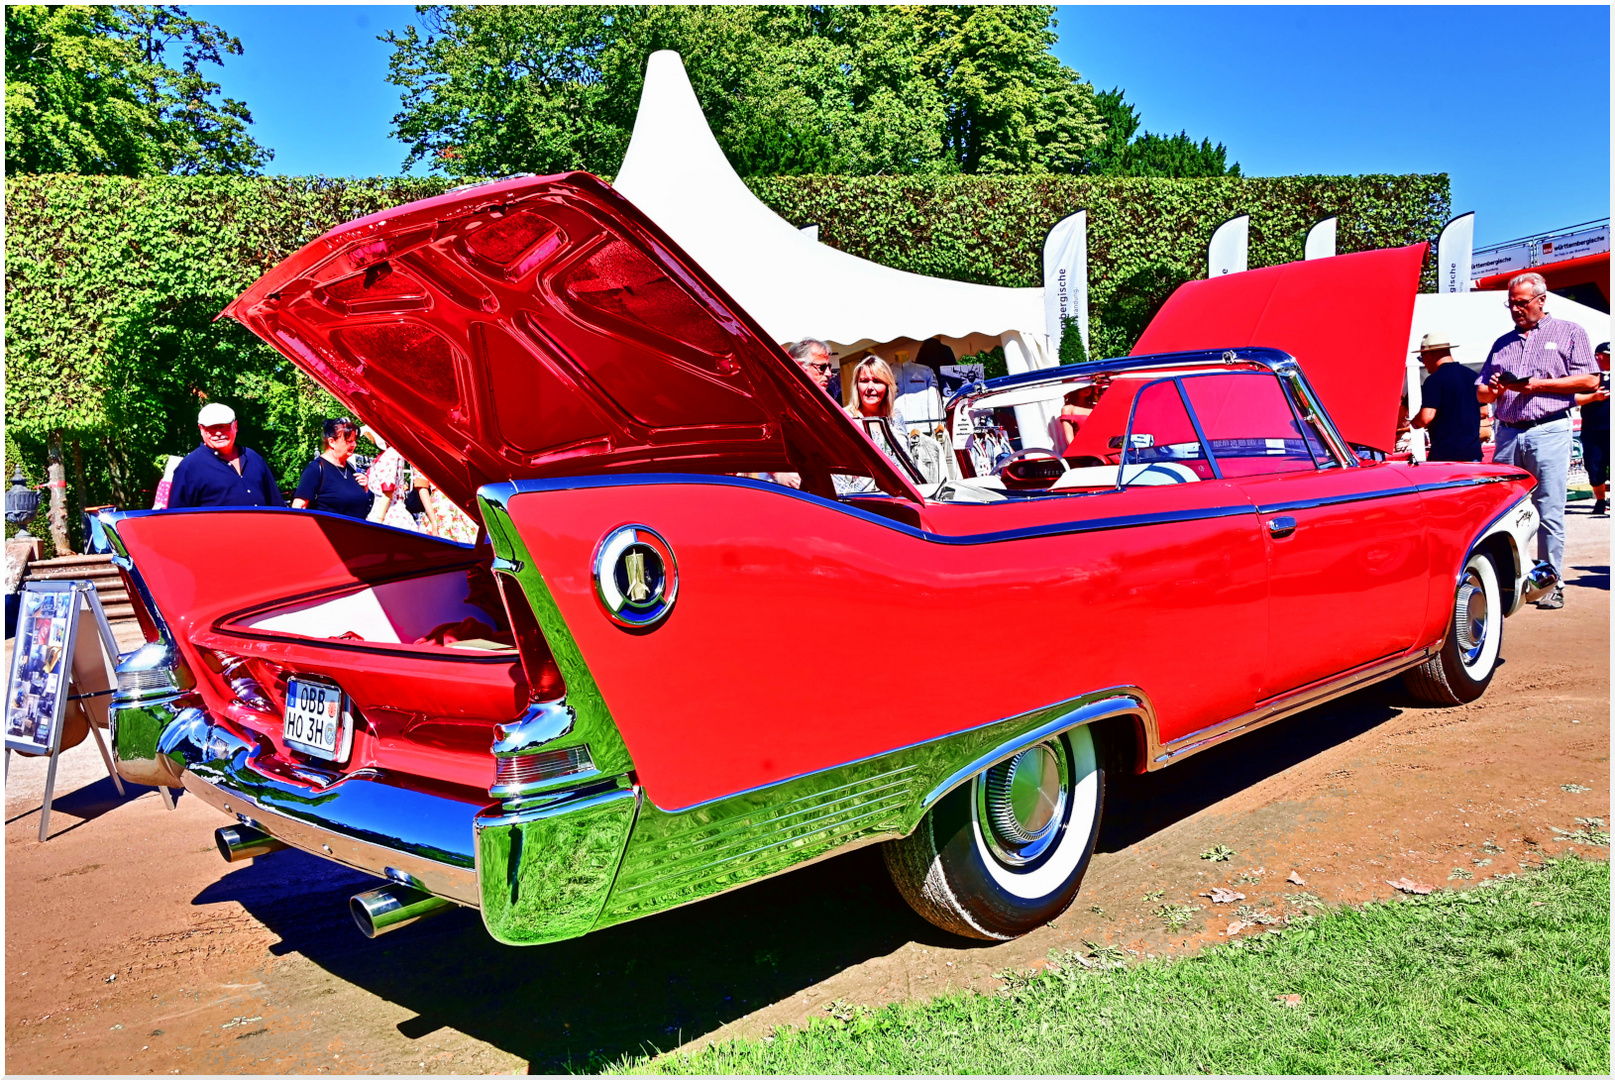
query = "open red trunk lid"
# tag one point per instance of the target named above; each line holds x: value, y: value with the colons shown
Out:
x: 543, y: 326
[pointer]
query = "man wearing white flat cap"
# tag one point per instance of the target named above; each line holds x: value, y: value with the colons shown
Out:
x: 1448, y: 408
x: 220, y: 473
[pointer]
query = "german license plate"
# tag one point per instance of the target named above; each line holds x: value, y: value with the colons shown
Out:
x: 316, y: 719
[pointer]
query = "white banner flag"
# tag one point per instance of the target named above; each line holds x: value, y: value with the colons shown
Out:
x: 1065, y: 279
x: 1320, y: 243
x: 1455, y: 254
x: 1229, y: 250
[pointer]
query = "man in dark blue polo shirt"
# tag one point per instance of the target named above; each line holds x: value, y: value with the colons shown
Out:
x: 1447, y: 404
x: 220, y: 473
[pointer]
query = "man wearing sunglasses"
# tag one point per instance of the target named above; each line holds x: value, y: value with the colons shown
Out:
x: 1531, y: 379
x: 814, y: 357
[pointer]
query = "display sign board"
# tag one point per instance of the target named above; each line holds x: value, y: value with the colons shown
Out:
x: 1574, y: 245
x: 60, y: 676
x: 1500, y: 260
x: 36, y: 693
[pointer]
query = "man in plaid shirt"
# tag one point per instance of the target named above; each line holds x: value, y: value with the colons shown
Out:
x: 1531, y: 379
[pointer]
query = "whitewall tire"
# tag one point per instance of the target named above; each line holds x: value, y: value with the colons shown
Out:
x: 1463, y: 669
x: 1006, y: 851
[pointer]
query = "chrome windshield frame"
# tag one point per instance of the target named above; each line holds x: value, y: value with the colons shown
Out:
x: 1250, y: 358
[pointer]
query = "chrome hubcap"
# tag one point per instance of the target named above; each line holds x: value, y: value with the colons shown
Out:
x: 1021, y: 803
x: 1471, y: 612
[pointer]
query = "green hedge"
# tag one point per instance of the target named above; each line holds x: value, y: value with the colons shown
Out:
x: 1146, y: 235
x: 112, y: 283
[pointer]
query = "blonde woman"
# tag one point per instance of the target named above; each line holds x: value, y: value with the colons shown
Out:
x: 874, y: 394
x: 874, y: 390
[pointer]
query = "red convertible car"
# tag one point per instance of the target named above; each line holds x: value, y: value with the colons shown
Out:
x: 657, y: 677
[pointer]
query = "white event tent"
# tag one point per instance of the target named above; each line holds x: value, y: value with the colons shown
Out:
x: 794, y: 286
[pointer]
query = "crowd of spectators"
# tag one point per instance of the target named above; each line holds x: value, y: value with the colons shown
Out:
x: 221, y: 472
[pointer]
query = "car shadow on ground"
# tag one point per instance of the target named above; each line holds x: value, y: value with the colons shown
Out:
x: 575, y: 1005
x: 1137, y: 807
x: 1592, y: 577
x: 652, y: 984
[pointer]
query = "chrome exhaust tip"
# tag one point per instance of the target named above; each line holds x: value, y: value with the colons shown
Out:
x: 391, y: 906
x: 237, y: 843
x: 1539, y: 582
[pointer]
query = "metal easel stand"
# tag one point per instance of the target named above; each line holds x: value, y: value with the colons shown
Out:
x: 50, y: 774
x: 75, y: 590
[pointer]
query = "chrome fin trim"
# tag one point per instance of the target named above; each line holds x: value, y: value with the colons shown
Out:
x: 591, y: 722
x: 676, y: 858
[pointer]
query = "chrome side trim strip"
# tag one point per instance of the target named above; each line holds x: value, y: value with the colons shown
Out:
x: 498, y: 495
x: 676, y: 858
x: 1468, y: 481
x: 1335, y: 500
x: 1383, y: 493
x: 1287, y: 705
x: 591, y: 724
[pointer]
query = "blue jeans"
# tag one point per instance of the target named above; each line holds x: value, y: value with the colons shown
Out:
x: 1544, y: 452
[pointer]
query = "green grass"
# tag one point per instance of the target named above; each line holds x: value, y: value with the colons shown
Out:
x: 1506, y: 978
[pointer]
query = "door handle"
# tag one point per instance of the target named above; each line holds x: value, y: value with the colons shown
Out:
x: 1280, y: 527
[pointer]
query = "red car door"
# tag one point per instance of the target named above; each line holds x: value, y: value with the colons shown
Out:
x: 1348, y: 567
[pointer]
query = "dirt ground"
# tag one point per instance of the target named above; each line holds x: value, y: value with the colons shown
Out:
x: 132, y: 948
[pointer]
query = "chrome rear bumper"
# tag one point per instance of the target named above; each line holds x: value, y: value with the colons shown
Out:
x: 416, y: 838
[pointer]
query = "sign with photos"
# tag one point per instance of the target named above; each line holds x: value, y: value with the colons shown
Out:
x: 36, y: 693
x: 61, y: 680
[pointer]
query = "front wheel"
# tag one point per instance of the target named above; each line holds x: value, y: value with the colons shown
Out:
x: 1005, y: 852
x: 1463, y: 669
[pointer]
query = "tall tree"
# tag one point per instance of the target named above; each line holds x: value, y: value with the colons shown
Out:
x: 787, y: 90
x: 1125, y: 152
x: 121, y: 90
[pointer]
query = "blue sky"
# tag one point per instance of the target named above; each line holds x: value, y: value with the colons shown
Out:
x: 1489, y: 95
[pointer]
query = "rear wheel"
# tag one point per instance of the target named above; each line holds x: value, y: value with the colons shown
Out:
x: 1005, y: 852
x: 1463, y: 669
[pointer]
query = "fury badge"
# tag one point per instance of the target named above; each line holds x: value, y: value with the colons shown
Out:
x: 635, y: 577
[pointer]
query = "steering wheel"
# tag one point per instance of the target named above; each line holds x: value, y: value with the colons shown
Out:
x: 1030, y: 451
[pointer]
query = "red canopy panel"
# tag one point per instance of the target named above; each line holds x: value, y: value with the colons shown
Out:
x: 1345, y: 318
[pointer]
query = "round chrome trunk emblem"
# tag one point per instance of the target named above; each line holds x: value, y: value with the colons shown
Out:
x: 635, y: 576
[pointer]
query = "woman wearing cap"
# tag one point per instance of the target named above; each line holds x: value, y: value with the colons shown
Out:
x: 329, y: 482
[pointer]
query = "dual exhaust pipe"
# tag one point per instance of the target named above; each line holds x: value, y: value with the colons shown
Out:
x: 375, y: 912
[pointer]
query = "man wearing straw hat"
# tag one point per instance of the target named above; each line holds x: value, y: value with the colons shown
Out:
x: 1448, y: 409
